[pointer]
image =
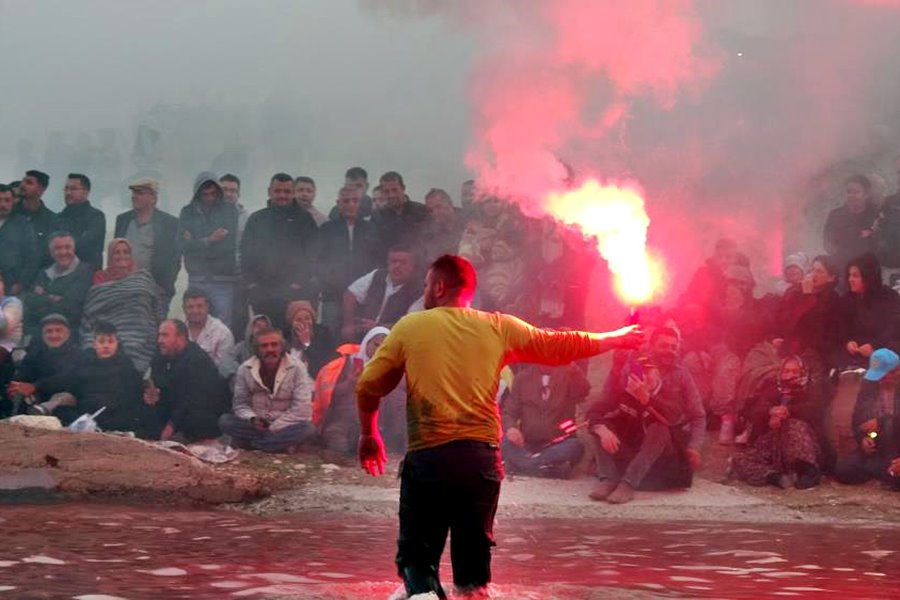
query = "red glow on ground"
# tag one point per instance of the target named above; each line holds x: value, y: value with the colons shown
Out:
x: 615, y: 216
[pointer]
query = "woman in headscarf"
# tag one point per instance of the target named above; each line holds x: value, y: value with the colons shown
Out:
x: 339, y: 423
x: 308, y: 341
x: 783, y: 449
x: 127, y: 297
x: 119, y: 262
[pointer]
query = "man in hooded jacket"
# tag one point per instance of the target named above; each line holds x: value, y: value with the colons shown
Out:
x: 207, y: 236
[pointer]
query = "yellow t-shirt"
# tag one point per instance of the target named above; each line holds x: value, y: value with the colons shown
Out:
x: 452, y: 358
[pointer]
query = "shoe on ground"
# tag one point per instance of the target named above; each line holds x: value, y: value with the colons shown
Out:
x: 622, y: 494
x: 779, y: 480
x: 602, y: 490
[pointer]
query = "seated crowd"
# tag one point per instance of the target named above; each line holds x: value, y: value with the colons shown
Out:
x: 286, y: 305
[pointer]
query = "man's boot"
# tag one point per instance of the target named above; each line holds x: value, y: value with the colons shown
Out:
x: 419, y: 580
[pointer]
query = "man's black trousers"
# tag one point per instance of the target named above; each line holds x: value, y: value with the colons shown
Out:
x: 453, y: 487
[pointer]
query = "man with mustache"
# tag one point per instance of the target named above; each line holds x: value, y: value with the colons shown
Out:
x: 272, y: 409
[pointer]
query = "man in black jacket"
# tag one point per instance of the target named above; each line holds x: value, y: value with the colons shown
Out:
x: 48, y: 355
x: 19, y: 256
x: 207, y: 232
x: 275, y: 252
x: 153, y: 235
x: 347, y: 248
x: 186, y: 386
x: 86, y: 223
x: 401, y: 220
x: 43, y: 220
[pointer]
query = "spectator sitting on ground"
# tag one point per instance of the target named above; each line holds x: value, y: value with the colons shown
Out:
x: 208, y: 332
x: 60, y: 288
x: 875, y: 425
x: 104, y: 377
x: 783, y: 449
x: 311, y: 343
x: 382, y: 296
x: 540, y: 420
x: 243, y: 351
x: 796, y: 266
x: 207, y: 238
x: 870, y: 314
x: 86, y: 223
x: 272, y: 399
x: 186, y: 385
x: 649, y: 424
x: 47, y: 355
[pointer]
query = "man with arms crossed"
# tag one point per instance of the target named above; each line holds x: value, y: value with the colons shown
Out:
x: 452, y: 355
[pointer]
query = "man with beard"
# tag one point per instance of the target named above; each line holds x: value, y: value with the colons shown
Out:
x: 272, y: 399
x: 649, y: 424
x: 185, y: 386
x: 32, y: 208
x: 19, y: 256
x: 275, y: 252
x: 451, y: 356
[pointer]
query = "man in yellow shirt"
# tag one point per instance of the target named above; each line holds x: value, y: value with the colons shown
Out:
x: 452, y: 355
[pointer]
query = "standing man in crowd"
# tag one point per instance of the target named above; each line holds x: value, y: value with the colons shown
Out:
x: 207, y: 232
x: 19, y: 252
x: 346, y: 249
x: 401, y: 219
x: 305, y: 196
x: 451, y: 355
x: 358, y: 179
x: 43, y: 220
x: 86, y: 223
x: 153, y: 235
x: 275, y: 252
x: 231, y: 187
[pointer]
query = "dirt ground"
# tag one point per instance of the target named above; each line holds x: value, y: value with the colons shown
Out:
x: 312, y: 482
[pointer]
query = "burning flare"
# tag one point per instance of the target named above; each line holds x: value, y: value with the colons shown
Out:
x: 616, y: 217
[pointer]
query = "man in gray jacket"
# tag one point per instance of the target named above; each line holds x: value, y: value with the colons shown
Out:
x: 272, y: 408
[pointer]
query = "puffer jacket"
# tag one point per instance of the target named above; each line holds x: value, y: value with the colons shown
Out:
x: 290, y: 401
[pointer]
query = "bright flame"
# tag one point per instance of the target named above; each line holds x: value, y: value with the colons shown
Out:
x: 616, y: 217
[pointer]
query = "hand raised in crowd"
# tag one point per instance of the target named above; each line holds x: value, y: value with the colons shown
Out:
x: 894, y: 467
x: 694, y: 459
x: 638, y: 388
x: 218, y: 235
x: 302, y: 331
x: 608, y: 439
x: 20, y: 387
x: 372, y: 454
x: 515, y: 437
x: 151, y: 393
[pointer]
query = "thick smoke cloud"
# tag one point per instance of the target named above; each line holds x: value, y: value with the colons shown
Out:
x: 737, y: 118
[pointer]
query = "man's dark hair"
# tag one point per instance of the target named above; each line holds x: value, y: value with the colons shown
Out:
x: 5, y: 188
x: 82, y: 179
x: 377, y: 188
x: 42, y: 178
x: 105, y: 328
x: 266, y: 331
x: 181, y: 328
x: 305, y: 179
x: 59, y: 234
x: 192, y: 293
x: 14, y: 185
x: 231, y: 178
x: 663, y: 331
x: 401, y: 247
x: 392, y: 176
x: 440, y: 193
x: 356, y: 173
x: 828, y: 264
x: 281, y: 178
x: 457, y: 273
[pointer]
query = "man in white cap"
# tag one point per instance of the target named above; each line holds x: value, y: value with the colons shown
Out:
x: 875, y: 425
x: 153, y: 235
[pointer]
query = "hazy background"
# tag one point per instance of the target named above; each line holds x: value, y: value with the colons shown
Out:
x: 307, y: 87
x: 802, y: 93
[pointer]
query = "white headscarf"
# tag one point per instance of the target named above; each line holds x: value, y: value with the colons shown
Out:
x: 361, y: 354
